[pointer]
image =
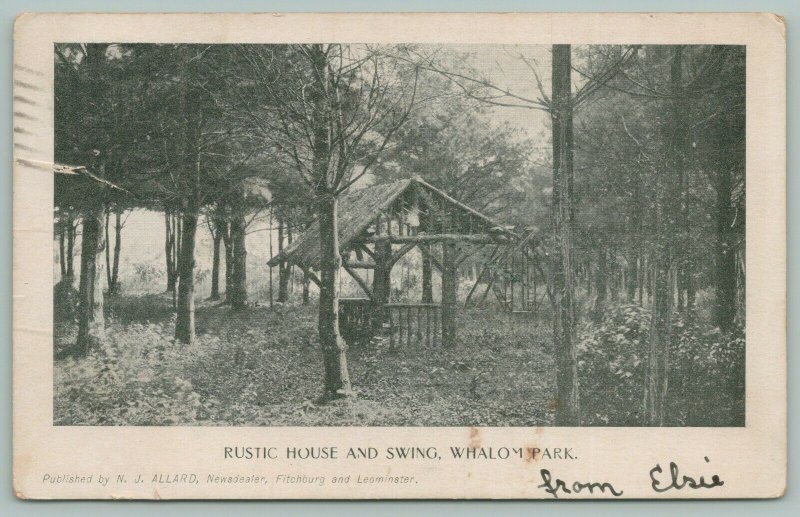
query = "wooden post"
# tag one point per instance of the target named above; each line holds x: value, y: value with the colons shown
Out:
x: 381, y: 282
x: 427, y: 276
x: 436, y: 323
x: 419, y: 324
x: 409, y: 326
x: 428, y: 325
x: 400, y: 324
x: 449, y: 293
x: 391, y: 327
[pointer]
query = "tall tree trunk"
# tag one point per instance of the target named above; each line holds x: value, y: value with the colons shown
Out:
x: 184, y: 325
x: 178, y: 220
x: 334, y: 349
x: 729, y: 136
x: 601, y: 284
x: 725, y: 251
x: 113, y: 284
x: 615, y: 279
x: 283, y: 269
x: 636, y: 276
x: 741, y: 287
x: 215, y: 264
x: 691, y: 287
x: 191, y: 175
x: 108, y: 248
x: 227, y: 242
x: 221, y: 236
x: 177, y: 236
x: 271, y: 297
x: 291, y: 268
x: 237, y: 291
x: 681, y: 150
x: 306, y: 283
x: 669, y: 259
x: 70, y: 248
x: 91, y: 323
x: 642, y: 279
x: 562, y: 212
x: 632, y: 276
x: 657, y: 377
x: 62, y: 253
x: 169, y: 249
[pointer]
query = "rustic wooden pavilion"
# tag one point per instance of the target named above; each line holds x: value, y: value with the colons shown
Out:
x: 378, y: 225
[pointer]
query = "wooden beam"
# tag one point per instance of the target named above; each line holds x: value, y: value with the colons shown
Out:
x: 436, y: 237
x: 360, y: 281
x: 480, y: 276
x: 388, y: 217
x: 366, y: 250
x: 546, y: 278
x: 402, y: 251
x: 359, y: 264
x: 496, y: 290
x: 429, y: 256
x: 465, y: 255
x: 489, y: 286
x: 310, y: 275
x: 485, y: 221
x: 475, y: 286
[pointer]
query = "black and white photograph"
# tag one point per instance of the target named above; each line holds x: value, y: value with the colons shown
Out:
x: 329, y: 256
x: 340, y: 234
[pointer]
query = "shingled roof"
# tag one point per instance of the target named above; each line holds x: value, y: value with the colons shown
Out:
x: 358, y: 209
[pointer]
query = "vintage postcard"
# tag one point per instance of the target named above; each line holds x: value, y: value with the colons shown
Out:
x: 390, y: 256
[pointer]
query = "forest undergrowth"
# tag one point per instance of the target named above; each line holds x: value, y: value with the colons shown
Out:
x: 258, y: 367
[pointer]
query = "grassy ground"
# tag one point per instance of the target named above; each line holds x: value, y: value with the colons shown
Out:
x: 263, y: 367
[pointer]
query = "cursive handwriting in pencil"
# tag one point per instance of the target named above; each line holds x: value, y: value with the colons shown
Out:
x: 552, y: 486
x: 677, y: 481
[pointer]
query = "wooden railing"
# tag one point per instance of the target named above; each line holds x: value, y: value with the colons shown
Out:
x: 413, y: 323
x: 356, y: 319
x: 402, y: 323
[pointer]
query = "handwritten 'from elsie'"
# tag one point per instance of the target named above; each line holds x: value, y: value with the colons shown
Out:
x: 659, y: 482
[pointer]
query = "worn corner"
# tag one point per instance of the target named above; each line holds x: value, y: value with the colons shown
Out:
x: 23, y: 20
x: 778, y: 21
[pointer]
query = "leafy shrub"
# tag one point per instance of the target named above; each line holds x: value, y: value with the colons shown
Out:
x: 706, y: 371
x: 148, y: 273
x: 65, y: 301
x: 134, y: 379
x: 708, y: 388
x: 611, y: 363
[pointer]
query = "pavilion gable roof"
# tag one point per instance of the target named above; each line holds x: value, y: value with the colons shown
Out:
x: 358, y: 209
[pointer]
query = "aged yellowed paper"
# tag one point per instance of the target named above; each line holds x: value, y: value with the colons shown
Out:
x: 390, y: 256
